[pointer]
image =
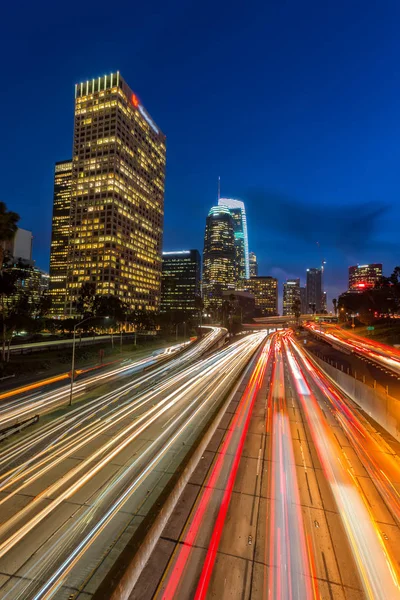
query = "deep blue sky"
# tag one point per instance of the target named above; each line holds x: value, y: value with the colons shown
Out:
x: 294, y: 104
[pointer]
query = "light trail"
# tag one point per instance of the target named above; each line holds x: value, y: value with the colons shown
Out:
x: 376, y: 568
x: 223, y: 476
x: 290, y: 571
x: 167, y: 412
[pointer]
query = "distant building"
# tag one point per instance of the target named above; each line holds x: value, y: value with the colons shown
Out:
x: 20, y: 247
x: 219, y: 271
x: 364, y: 277
x: 253, y: 264
x: 180, y: 281
x: 60, y: 236
x: 324, y: 302
x: 238, y: 213
x: 303, y: 300
x: 265, y: 292
x: 291, y: 292
x: 314, y: 290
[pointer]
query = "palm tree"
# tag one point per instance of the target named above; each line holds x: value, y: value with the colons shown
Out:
x: 8, y: 228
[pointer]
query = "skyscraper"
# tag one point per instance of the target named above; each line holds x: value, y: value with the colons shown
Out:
x: 314, y: 290
x: 253, y: 265
x: 117, y: 196
x: 60, y: 236
x: 303, y: 300
x: 291, y: 292
x: 180, y: 281
x: 265, y: 292
x: 364, y: 277
x: 218, y: 255
x: 238, y: 213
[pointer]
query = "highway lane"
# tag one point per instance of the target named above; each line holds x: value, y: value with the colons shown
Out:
x: 22, y: 407
x: 70, y: 493
x: 381, y: 354
x: 314, y: 507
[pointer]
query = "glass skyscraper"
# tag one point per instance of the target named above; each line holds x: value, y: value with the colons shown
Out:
x: 180, y: 282
x: 238, y: 213
x: 219, y: 271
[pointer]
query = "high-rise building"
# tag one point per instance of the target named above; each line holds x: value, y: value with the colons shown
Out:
x: 303, y: 300
x: 117, y: 196
x: 180, y: 281
x: 238, y: 213
x: 314, y: 290
x: 324, y: 302
x: 291, y: 292
x: 218, y: 255
x: 265, y: 292
x: 253, y: 265
x: 60, y: 236
x: 364, y: 277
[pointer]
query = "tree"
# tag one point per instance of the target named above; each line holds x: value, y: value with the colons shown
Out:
x: 8, y: 227
x: 335, y: 306
x: 86, y: 299
x: 109, y: 306
x: 15, y: 304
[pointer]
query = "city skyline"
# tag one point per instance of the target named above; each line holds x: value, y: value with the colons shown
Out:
x: 282, y: 153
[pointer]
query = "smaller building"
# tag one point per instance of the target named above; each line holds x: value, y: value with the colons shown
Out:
x: 291, y: 293
x: 364, y: 277
x: 253, y: 264
x: 265, y: 292
x: 180, y: 281
x: 20, y: 247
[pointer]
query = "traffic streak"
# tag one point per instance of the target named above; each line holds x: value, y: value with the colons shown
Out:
x: 95, y: 463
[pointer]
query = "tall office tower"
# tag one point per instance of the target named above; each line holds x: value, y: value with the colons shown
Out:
x: 60, y: 236
x: 314, y: 290
x: 364, y: 277
x: 253, y: 265
x: 303, y: 300
x: 180, y: 281
x: 291, y: 292
x: 265, y: 292
x: 219, y: 255
x: 238, y: 213
x: 117, y: 196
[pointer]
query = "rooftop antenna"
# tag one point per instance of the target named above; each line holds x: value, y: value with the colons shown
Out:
x: 219, y: 188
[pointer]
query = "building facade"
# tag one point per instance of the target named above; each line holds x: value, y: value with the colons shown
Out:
x: 364, y: 277
x: 218, y: 255
x: 291, y: 293
x: 238, y: 213
x: 117, y: 196
x: 314, y: 290
x: 303, y: 300
x: 253, y: 265
x: 20, y: 247
x: 60, y: 236
x: 265, y: 292
x: 180, y: 281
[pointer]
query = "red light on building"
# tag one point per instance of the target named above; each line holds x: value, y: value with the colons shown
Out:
x: 361, y: 285
x: 135, y: 100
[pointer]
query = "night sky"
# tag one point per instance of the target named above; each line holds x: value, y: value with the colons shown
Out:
x: 296, y: 105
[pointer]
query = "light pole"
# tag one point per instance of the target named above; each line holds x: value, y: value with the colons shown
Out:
x: 73, y: 354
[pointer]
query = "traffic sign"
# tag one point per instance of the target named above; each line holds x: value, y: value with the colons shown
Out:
x: 370, y: 328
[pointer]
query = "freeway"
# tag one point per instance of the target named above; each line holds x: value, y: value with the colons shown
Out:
x: 301, y: 498
x: 73, y: 491
x: 378, y: 353
x: 17, y: 408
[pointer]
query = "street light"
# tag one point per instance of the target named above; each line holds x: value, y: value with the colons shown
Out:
x: 73, y: 352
